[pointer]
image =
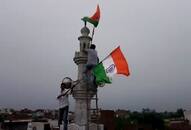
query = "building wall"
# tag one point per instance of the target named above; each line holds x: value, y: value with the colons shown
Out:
x: 41, y: 126
x: 38, y: 125
x: 15, y: 126
x: 179, y: 126
x: 107, y: 118
x: 187, y: 116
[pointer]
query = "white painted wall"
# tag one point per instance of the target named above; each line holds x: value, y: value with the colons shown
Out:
x: 187, y: 116
x: 38, y: 125
x: 53, y: 123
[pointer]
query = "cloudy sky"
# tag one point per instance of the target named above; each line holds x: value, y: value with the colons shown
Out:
x: 38, y: 39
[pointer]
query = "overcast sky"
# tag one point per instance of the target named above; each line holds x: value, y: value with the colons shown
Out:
x: 38, y: 39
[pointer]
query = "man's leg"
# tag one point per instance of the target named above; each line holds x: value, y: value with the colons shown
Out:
x: 93, y: 80
x: 65, y: 117
x: 87, y: 72
x: 60, y: 116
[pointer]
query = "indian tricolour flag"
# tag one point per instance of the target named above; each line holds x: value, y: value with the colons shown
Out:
x: 94, y: 19
x: 115, y: 63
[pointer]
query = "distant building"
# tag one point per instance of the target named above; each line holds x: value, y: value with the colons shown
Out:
x: 38, y: 126
x: 5, y: 111
x: 187, y: 116
x: 107, y: 117
x: 138, y: 127
x: 39, y: 113
x: 15, y: 125
x: 179, y: 125
x: 29, y: 125
x: 122, y: 113
x: 26, y: 111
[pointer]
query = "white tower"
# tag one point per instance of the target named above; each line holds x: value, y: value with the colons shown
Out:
x: 81, y: 93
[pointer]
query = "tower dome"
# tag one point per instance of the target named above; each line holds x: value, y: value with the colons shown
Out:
x: 85, y: 31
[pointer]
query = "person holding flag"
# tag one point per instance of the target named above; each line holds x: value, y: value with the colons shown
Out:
x: 63, y: 106
x: 115, y: 63
x: 92, y: 61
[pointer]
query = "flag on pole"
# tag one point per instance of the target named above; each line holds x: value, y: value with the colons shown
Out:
x: 93, y: 19
x: 115, y: 63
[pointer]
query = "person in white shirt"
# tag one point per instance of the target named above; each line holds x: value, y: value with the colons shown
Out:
x: 92, y: 61
x: 63, y: 107
x: 92, y: 57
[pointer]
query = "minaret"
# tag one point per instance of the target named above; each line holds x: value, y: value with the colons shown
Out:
x: 80, y: 93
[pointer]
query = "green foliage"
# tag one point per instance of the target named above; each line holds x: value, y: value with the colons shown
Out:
x: 148, y: 117
x: 120, y: 123
x: 180, y: 112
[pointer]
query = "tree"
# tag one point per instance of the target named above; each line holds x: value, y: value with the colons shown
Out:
x: 180, y: 112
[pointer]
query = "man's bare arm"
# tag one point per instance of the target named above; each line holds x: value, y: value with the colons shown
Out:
x: 67, y: 92
x: 59, y: 96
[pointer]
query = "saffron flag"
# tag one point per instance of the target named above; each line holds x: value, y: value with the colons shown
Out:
x: 115, y: 63
x: 93, y: 19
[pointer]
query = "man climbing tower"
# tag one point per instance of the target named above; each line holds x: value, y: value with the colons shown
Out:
x: 92, y: 61
x: 92, y: 57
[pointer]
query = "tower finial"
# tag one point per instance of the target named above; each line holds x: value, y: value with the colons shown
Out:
x: 85, y: 31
